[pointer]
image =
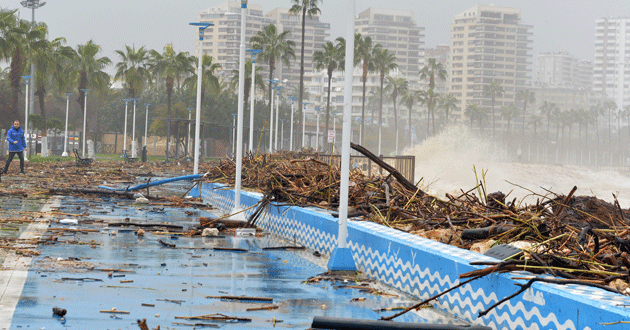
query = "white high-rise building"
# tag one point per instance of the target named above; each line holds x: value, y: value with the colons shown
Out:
x: 612, y: 59
x: 561, y: 69
x: 489, y: 44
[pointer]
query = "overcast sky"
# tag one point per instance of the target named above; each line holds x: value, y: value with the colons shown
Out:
x: 558, y: 24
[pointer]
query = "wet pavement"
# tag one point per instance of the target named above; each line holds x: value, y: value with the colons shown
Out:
x: 96, y: 276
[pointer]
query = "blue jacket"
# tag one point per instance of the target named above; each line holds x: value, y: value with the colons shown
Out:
x: 16, y: 135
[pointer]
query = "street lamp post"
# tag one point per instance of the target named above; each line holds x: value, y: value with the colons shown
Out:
x: 334, y: 118
x: 134, y: 152
x: 65, y: 135
x: 278, y: 89
x: 201, y: 26
x: 85, y: 91
x: 282, y: 134
x: 293, y: 98
x: 146, y: 123
x: 188, y: 141
x: 237, y: 213
x: 32, y: 5
x: 303, y: 122
x: 252, y: 96
x: 234, y: 133
x: 341, y: 257
x: 26, y: 78
x: 273, y: 81
x: 125, y: 132
x: 317, y: 134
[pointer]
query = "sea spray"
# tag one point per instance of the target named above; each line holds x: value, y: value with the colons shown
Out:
x: 445, y: 162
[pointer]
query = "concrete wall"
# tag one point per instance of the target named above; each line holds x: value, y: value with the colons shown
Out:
x: 424, y: 268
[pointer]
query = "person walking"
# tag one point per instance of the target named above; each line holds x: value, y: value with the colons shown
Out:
x: 17, y: 145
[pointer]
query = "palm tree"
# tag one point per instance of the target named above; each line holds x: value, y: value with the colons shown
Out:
x: 304, y: 8
x: 409, y: 97
x: 526, y: 96
x: 448, y: 103
x: 209, y: 77
x: 432, y: 70
x: 396, y: 86
x: 536, y: 120
x: 492, y: 91
x: 365, y: 51
x: 509, y: 112
x: 431, y: 100
x: 384, y: 61
x: 625, y: 113
x: 596, y: 111
x: 133, y: 68
x: 172, y: 65
x: 90, y: 74
x: 330, y: 58
x: 609, y: 106
x: 547, y: 109
x: 474, y: 112
x: 275, y: 47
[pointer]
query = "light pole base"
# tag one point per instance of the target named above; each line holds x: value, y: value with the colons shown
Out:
x: 341, y: 260
x: 237, y: 214
x: 64, y: 154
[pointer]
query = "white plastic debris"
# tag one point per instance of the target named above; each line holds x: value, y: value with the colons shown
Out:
x: 138, y: 195
x: 210, y: 232
x: 69, y: 221
x: 141, y: 200
x: 245, y: 232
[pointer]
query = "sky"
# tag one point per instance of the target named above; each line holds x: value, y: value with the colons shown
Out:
x: 559, y: 25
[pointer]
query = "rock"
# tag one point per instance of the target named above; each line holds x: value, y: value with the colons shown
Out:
x: 210, y: 232
x: 140, y: 232
x: 482, y: 247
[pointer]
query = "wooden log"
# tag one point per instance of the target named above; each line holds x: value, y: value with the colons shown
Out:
x: 244, y: 298
x: 97, y: 191
x: 166, y: 244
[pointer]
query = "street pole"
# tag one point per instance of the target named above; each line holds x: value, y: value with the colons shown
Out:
x: 273, y: 81
x: 65, y: 134
x: 293, y: 98
x: 134, y: 152
x: 303, y: 122
x: 234, y: 134
x: 201, y: 26
x: 278, y: 89
x: 317, y: 134
x: 282, y: 134
x: 341, y: 258
x: 188, y: 141
x: 146, y: 123
x: 85, y: 91
x: 125, y: 132
x: 236, y: 212
x: 252, y: 96
x: 26, y: 78
x: 32, y: 5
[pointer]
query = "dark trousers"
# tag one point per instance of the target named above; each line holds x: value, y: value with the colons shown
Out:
x: 11, y: 155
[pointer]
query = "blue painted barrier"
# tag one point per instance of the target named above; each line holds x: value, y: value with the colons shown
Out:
x: 424, y: 268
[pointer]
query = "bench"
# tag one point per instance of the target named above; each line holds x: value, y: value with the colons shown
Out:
x: 129, y: 159
x: 82, y: 161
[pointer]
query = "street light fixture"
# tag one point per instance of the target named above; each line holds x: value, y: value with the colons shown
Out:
x: 65, y: 135
x: 202, y: 27
x: 26, y: 78
x: 293, y: 98
x: 252, y: 96
x: 85, y: 91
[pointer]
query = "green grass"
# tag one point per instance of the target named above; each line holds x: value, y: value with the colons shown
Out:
x: 99, y: 157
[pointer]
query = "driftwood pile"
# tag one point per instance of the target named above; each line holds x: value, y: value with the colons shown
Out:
x: 579, y: 238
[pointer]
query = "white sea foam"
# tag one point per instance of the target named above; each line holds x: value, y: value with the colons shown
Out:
x: 445, y: 162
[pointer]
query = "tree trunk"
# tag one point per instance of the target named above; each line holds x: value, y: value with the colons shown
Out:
x: 41, y: 93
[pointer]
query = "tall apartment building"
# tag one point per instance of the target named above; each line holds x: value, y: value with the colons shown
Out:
x: 315, y: 37
x: 398, y: 32
x: 489, y: 44
x: 222, y: 41
x: 612, y: 59
x: 560, y: 69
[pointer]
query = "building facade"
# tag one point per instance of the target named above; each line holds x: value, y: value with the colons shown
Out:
x: 563, y: 70
x: 612, y: 59
x: 489, y: 44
